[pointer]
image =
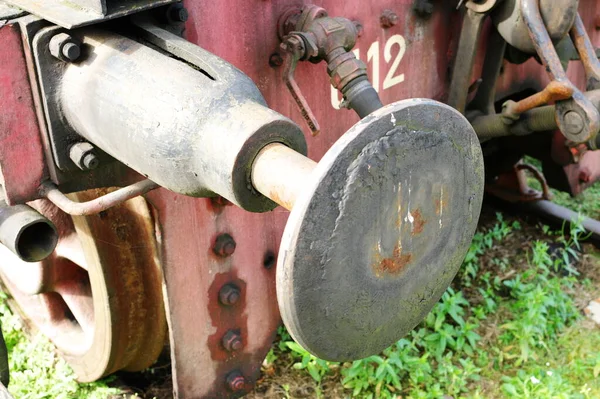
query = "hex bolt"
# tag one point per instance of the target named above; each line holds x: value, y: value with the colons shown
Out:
x: 275, y: 60
x: 574, y: 122
x: 224, y: 245
x: 235, y: 381
x: 82, y: 155
x: 232, y: 341
x: 64, y: 47
x: 388, y: 19
x: 229, y: 294
x: 177, y: 13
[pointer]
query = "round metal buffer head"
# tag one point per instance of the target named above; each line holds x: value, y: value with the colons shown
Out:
x: 376, y: 239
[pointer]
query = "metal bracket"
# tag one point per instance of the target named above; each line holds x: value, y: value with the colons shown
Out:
x: 49, y: 70
x: 76, y: 13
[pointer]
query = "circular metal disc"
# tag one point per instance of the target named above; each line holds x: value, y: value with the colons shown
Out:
x: 376, y: 239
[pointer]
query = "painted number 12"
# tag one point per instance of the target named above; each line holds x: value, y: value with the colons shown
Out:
x: 392, y: 77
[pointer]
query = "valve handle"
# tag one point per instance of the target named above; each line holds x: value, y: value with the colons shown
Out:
x: 294, y: 49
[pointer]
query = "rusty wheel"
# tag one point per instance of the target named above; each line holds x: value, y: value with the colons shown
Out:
x: 98, y: 297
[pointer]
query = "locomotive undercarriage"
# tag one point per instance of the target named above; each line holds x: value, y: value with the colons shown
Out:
x: 142, y: 171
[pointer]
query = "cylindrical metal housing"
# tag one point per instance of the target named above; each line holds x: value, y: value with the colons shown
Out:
x: 25, y: 232
x: 195, y: 132
x: 558, y: 16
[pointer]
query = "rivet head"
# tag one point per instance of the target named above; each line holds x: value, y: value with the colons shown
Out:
x: 229, y: 294
x: 232, y: 341
x: 388, y: 19
x: 224, y: 245
x: 235, y: 381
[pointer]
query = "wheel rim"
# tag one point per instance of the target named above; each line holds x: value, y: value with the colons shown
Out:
x: 98, y: 297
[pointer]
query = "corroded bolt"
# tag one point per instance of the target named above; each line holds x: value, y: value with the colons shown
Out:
x: 224, y: 245
x: 232, y: 341
x: 388, y: 19
x: 177, y: 13
x: 574, y: 122
x: 82, y: 155
x: 275, y: 60
x: 235, y: 381
x: 64, y: 47
x: 229, y: 294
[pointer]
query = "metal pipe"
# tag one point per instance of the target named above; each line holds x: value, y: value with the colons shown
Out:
x: 536, y: 120
x: 558, y: 214
x: 28, y: 234
x: 281, y: 174
x: 193, y: 129
x: 54, y: 195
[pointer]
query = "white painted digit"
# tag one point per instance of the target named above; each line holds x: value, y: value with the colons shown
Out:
x: 373, y: 55
x: 391, y: 79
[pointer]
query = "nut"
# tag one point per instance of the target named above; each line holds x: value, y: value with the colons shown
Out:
x: 235, y: 381
x: 232, y: 341
x: 177, y: 13
x: 229, y: 294
x: 388, y: 19
x: 574, y: 123
x: 82, y: 155
x: 64, y: 47
x: 224, y: 246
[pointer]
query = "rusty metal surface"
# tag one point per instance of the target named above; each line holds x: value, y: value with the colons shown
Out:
x: 22, y: 154
x: 209, y: 294
x: 76, y: 13
x: 356, y: 274
x: 99, y: 296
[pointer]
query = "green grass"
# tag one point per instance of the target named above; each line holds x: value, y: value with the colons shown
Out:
x: 36, y: 372
x: 539, y: 346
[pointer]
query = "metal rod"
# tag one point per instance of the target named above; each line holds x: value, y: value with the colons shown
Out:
x: 28, y: 234
x: 536, y: 120
x: 281, y: 174
x: 52, y: 193
x: 558, y: 214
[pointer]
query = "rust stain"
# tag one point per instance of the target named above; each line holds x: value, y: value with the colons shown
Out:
x: 392, y: 265
x: 419, y: 222
x: 286, y: 203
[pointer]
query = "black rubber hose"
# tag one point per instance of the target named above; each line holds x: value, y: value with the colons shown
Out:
x: 362, y: 97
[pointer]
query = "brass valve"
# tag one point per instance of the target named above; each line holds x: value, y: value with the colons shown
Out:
x: 310, y: 34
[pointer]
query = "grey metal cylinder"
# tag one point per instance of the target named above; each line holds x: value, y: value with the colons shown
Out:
x: 25, y: 232
x: 558, y: 16
x: 195, y: 131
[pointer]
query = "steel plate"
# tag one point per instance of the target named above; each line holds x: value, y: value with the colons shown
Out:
x: 372, y: 245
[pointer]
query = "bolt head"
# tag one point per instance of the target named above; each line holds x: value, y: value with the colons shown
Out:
x: 235, y: 381
x: 64, y: 47
x: 388, y: 19
x: 229, y: 294
x: 177, y: 13
x: 71, y: 51
x: 224, y: 245
x: 90, y: 161
x: 82, y: 155
x: 232, y: 341
x: 574, y: 122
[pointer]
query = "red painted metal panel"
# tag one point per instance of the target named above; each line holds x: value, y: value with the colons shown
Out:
x: 22, y: 155
x: 410, y: 59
